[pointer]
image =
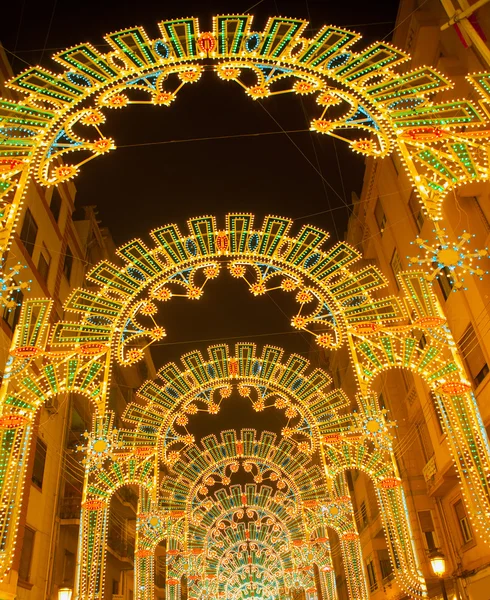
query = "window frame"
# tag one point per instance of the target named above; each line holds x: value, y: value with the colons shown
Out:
x: 58, y: 198
x: 11, y: 315
x: 435, y: 542
x: 468, y: 343
x: 396, y: 256
x: 28, y: 572
x: 465, y: 519
x: 380, y: 216
x: 371, y: 571
x: 42, y: 256
x: 444, y: 276
x: 41, y: 452
x: 25, y: 234
x: 68, y: 263
x: 416, y: 210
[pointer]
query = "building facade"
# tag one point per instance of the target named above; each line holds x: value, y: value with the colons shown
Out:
x: 385, y: 220
x: 59, y: 245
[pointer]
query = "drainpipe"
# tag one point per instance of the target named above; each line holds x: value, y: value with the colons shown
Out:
x: 49, y: 577
x: 455, y: 557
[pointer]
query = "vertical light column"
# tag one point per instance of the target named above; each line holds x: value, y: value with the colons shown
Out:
x: 92, y: 548
x: 353, y: 565
x: 16, y: 436
x: 470, y: 449
x: 144, y: 574
x: 173, y: 590
x: 394, y: 514
x: 458, y: 409
x: 329, y: 587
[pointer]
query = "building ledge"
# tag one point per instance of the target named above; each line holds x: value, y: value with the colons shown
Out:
x: 70, y: 522
x: 442, y: 482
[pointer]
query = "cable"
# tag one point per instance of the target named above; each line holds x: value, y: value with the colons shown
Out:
x: 301, y: 152
x: 16, y: 56
x: 211, y: 138
x: 417, y: 8
x: 253, y: 6
x: 318, y: 163
x: 49, y: 30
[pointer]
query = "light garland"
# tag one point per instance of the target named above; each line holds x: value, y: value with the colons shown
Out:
x: 118, y: 318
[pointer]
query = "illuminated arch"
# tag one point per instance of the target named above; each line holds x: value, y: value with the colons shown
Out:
x: 332, y: 295
x: 360, y: 95
x: 266, y: 379
x: 196, y: 464
x: 379, y: 333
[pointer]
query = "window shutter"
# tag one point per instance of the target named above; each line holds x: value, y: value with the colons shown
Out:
x: 425, y: 519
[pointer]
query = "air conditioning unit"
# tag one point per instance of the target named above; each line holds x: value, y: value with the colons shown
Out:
x: 52, y: 405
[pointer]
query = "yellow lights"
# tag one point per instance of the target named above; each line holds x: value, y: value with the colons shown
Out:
x: 224, y: 534
x: 318, y: 429
x: 378, y: 110
x: 438, y: 563
x: 65, y: 593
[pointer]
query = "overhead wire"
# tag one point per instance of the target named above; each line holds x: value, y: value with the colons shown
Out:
x: 49, y: 30
x: 319, y: 166
x: 417, y: 8
x: 211, y: 138
x: 301, y: 151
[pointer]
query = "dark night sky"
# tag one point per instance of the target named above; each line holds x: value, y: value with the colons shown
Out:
x: 141, y: 187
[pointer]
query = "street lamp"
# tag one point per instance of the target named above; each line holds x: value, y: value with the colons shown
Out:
x: 438, y: 564
x: 65, y: 593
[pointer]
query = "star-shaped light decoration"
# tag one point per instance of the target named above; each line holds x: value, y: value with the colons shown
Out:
x: 451, y: 255
x: 9, y: 286
x: 100, y: 442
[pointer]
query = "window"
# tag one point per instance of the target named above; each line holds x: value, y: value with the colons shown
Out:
x: 427, y: 528
x: 445, y: 282
x: 363, y: 515
x: 44, y: 263
x: 416, y: 210
x: 396, y: 264
x: 380, y: 216
x: 28, y: 233
x: 11, y: 314
x: 473, y: 355
x: 385, y: 563
x: 115, y: 586
x: 394, y: 160
x: 482, y: 215
x: 437, y: 412
x: 68, y: 263
x: 373, y: 584
x: 55, y: 204
x: 382, y: 401
x: 464, y: 524
x: 26, y: 554
x: 39, y: 463
x: 69, y: 565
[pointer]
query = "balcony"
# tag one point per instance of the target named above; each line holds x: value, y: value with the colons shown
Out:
x: 70, y: 509
x: 122, y: 549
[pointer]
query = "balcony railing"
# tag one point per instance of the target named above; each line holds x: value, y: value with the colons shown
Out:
x: 70, y: 507
x: 122, y: 547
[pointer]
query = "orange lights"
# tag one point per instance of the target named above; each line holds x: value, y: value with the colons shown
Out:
x: 26, y: 351
x: 13, y: 421
x: 390, y: 483
x: 206, y: 42
x: 455, y: 388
